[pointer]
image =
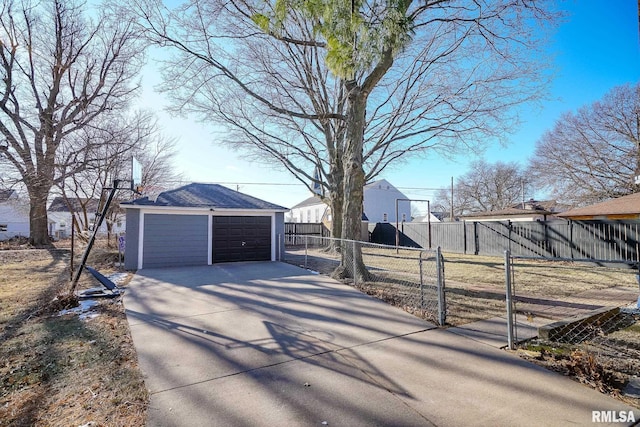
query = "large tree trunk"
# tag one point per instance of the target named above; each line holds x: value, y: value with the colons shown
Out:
x: 38, y: 221
x: 336, y: 215
x: 336, y: 195
x: 351, y: 261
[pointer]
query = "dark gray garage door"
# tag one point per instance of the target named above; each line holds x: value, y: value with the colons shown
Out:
x: 173, y: 240
x: 241, y: 238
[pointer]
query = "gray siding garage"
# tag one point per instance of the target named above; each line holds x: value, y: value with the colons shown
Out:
x: 201, y: 224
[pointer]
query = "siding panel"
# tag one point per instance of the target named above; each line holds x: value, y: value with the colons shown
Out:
x: 131, y: 240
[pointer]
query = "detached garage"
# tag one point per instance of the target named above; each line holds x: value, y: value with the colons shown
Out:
x: 202, y: 224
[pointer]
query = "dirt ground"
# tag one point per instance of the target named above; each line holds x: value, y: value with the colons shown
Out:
x: 61, y: 369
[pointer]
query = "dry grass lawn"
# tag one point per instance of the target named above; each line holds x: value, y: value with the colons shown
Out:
x: 475, y: 285
x: 61, y: 370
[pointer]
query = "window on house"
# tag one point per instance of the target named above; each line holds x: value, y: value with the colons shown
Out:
x: 385, y: 217
x: 63, y: 225
x: 309, y: 215
x: 3, y: 227
x: 317, y: 213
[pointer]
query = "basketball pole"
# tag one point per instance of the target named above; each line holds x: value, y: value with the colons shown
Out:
x: 92, y: 240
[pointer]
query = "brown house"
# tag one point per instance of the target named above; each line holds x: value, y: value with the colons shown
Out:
x: 621, y: 208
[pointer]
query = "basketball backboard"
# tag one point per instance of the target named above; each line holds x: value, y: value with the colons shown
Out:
x: 136, y: 174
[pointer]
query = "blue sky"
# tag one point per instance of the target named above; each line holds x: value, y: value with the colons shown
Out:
x: 596, y: 48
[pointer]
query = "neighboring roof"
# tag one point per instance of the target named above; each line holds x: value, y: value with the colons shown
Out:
x: 433, y: 217
x: 545, y: 205
x: 212, y: 196
x: 311, y: 201
x: 621, y: 207
x: 5, y: 194
x: 60, y: 204
x: 507, y: 212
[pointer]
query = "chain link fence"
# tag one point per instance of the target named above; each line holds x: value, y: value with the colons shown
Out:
x: 412, y: 279
x: 592, y: 335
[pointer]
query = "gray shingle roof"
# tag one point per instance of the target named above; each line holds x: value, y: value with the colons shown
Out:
x: 59, y: 204
x: 212, y: 196
x: 5, y: 194
x: 313, y: 200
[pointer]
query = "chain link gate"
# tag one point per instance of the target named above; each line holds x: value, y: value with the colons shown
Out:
x: 410, y: 278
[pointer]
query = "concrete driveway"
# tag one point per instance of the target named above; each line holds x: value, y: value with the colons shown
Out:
x: 267, y: 343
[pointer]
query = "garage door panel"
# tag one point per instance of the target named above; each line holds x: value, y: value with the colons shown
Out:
x: 173, y: 240
x: 243, y: 238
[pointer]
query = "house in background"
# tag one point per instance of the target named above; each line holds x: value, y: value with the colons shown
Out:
x: 621, y: 208
x: 379, y: 206
x: 14, y: 215
x: 311, y: 210
x: 380, y: 203
x: 60, y: 216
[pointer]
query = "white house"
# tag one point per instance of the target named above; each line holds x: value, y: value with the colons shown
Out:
x: 379, y: 206
x: 14, y: 215
x: 309, y: 210
x: 380, y: 203
x: 60, y: 219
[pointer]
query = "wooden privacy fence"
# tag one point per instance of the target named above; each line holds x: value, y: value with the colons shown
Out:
x: 598, y: 240
x: 295, y: 232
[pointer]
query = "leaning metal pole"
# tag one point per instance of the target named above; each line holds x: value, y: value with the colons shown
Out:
x: 92, y: 240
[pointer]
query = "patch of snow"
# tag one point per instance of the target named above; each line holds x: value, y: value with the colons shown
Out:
x: 312, y: 271
x: 118, y: 278
x: 84, y: 310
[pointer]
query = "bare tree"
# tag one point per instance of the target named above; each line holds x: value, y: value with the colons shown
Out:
x: 592, y: 154
x: 485, y: 187
x: 61, y: 70
x: 389, y: 79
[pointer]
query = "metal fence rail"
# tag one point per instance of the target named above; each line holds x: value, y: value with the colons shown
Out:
x: 409, y: 278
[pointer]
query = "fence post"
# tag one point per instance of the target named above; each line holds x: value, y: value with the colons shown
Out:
x: 464, y: 236
x: 442, y: 304
x: 507, y: 276
x: 421, y: 284
x: 476, y: 239
x: 306, y: 244
x: 355, y: 267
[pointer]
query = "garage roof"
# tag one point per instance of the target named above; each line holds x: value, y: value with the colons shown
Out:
x: 213, y: 196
